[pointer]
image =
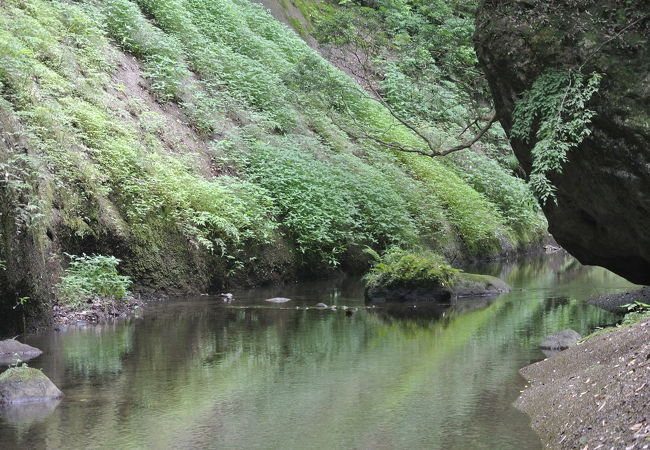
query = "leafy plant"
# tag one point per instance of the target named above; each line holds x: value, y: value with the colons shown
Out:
x: 557, y: 105
x: 22, y: 301
x: 636, y: 306
x: 398, y: 267
x: 92, y: 277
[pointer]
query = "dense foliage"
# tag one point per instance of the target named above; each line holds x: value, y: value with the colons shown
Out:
x: 92, y: 277
x: 192, y: 138
x: 557, y: 104
x: 401, y: 268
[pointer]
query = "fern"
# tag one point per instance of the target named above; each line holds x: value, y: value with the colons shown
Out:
x: 557, y: 102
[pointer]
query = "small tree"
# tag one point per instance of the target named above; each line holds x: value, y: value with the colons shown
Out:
x: 92, y: 277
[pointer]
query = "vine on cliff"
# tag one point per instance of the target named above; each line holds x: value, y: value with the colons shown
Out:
x: 557, y: 105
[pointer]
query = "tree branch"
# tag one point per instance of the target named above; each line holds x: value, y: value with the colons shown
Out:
x: 360, y: 66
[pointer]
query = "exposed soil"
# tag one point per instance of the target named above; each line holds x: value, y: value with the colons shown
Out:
x: 594, y: 395
x: 98, y: 311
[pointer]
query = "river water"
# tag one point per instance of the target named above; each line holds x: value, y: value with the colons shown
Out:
x: 197, y: 373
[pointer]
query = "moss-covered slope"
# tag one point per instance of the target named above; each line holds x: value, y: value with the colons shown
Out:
x: 201, y: 141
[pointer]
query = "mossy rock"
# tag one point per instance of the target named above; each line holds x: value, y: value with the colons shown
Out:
x: 26, y: 385
x: 475, y: 285
x: 465, y: 285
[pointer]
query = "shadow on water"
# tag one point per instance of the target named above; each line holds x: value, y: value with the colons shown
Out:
x: 200, y: 373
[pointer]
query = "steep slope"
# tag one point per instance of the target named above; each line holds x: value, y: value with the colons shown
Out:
x: 203, y: 141
x: 603, y: 190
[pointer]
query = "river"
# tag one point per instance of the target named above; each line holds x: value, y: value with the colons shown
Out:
x: 198, y: 373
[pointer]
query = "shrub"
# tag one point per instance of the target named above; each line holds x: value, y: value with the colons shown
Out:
x: 329, y: 204
x: 399, y: 267
x: 90, y: 277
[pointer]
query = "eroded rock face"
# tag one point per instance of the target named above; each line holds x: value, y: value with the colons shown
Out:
x: 604, y: 191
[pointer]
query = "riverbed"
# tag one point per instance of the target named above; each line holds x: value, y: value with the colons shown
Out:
x: 196, y: 372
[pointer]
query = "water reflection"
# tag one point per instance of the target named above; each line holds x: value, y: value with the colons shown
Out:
x: 198, y: 373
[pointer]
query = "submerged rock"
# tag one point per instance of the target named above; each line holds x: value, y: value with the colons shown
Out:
x: 12, y: 351
x: 278, y: 300
x: 560, y: 340
x: 25, y: 385
x: 25, y: 414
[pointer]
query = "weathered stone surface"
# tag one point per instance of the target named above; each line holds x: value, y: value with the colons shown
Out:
x: 603, y: 191
x: 25, y: 385
x: 12, y: 351
x: 474, y: 285
x: 467, y: 285
x: 560, y: 340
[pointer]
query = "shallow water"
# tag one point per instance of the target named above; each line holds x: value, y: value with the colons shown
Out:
x: 197, y: 373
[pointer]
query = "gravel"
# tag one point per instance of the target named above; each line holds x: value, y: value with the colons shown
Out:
x: 593, y: 395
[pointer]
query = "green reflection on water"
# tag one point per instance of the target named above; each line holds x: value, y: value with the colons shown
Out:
x: 194, y: 373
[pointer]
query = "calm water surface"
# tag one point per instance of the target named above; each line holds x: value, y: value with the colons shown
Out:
x: 196, y: 373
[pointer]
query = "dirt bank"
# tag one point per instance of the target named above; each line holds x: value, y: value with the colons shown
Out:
x: 594, y: 395
x: 98, y: 311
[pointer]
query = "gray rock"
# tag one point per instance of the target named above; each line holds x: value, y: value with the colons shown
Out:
x: 321, y: 305
x: 560, y: 340
x: 278, y: 300
x: 467, y: 285
x: 475, y: 285
x: 12, y: 351
x: 25, y: 385
x: 603, y: 190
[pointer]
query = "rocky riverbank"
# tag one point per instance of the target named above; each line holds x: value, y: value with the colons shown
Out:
x: 97, y: 311
x: 594, y: 395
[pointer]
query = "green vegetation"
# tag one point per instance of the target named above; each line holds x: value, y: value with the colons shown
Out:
x: 189, y: 138
x: 557, y: 101
x: 21, y: 373
x: 92, y: 277
x: 401, y: 268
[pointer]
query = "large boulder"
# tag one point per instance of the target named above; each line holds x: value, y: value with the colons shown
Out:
x: 603, y: 192
x: 475, y: 285
x: 25, y: 385
x: 12, y: 351
x: 465, y: 285
x: 560, y: 340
